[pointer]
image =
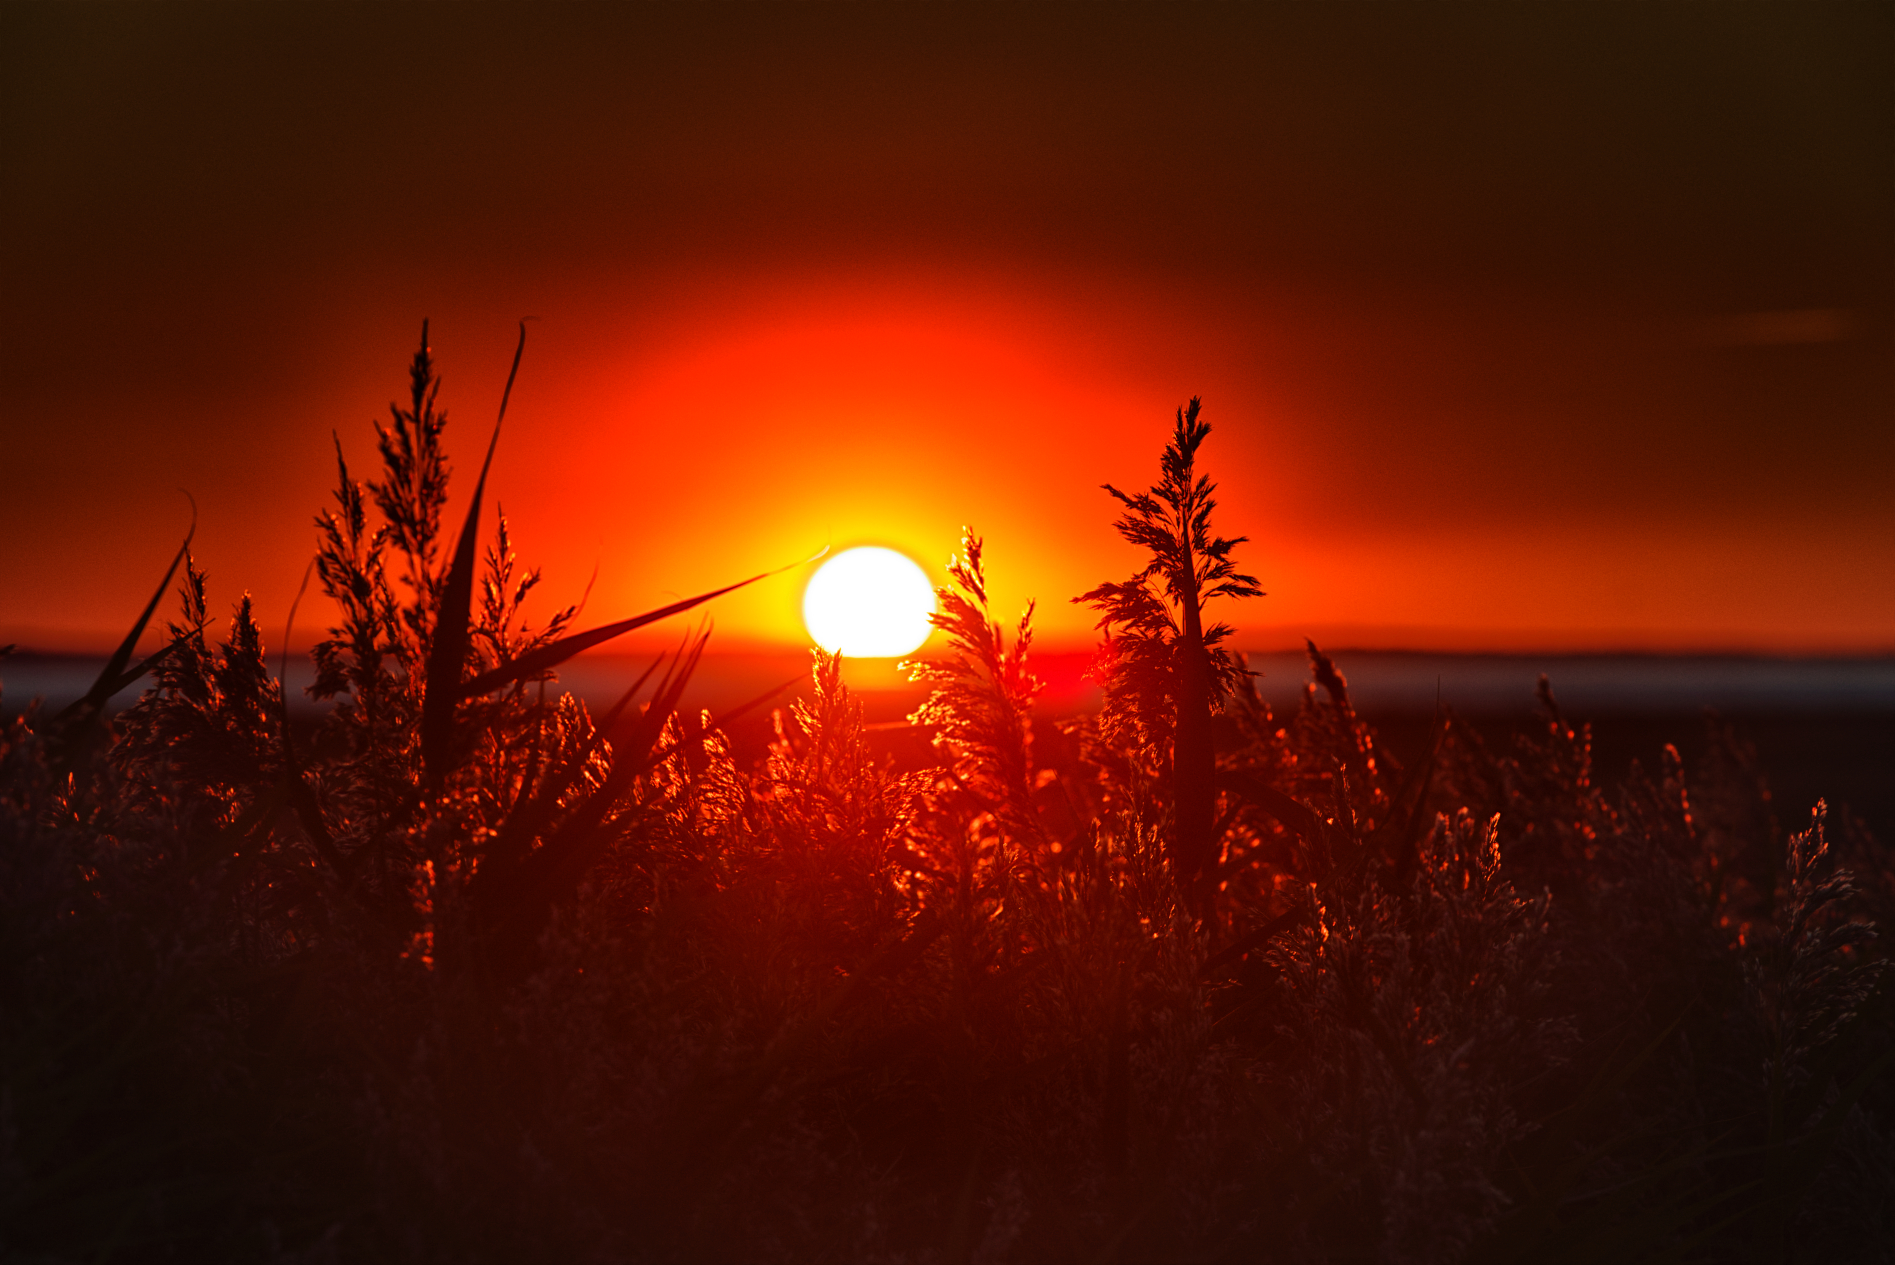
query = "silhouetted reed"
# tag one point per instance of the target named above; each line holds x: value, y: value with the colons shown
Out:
x: 465, y: 972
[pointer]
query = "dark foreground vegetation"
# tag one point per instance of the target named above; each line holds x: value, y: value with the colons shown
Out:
x: 472, y: 975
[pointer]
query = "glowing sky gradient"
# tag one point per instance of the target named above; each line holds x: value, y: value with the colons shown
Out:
x: 1518, y: 328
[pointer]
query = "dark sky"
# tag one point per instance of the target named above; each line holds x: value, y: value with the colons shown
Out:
x: 1520, y: 325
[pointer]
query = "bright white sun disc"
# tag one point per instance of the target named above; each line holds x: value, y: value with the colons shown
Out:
x: 869, y: 603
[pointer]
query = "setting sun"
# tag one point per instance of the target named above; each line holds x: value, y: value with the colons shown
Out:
x: 869, y: 602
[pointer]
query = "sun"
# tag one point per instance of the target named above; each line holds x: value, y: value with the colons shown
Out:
x: 869, y: 603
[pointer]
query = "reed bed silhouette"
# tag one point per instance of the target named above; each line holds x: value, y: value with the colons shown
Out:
x: 468, y: 973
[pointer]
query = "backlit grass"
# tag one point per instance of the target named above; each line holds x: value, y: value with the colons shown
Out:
x: 472, y: 974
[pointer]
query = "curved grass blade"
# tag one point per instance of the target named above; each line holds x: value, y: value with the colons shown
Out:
x: 113, y: 677
x: 152, y: 660
x: 448, y: 653
x: 1254, y: 939
x: 296, y: 789
x: 555, y: 653
x: 558, y: 865
x: 1299, y: 818
x: 535, y: 812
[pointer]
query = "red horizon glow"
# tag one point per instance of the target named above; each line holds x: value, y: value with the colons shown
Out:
x: 1487, y: 368
x: 698, y: 441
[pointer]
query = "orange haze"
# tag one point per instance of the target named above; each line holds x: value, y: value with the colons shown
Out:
x: 1488, y: 367
x: 679, y: 442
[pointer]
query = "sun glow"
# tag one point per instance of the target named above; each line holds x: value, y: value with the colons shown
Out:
x: 869, y: 603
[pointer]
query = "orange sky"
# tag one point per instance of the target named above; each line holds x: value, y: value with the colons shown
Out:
x: 1532, y: 351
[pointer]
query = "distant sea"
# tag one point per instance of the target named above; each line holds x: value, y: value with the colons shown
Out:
x: 1821, y: 726
x: 1379, y: 681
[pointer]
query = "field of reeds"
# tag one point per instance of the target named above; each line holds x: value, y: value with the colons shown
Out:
x: 468, y: 973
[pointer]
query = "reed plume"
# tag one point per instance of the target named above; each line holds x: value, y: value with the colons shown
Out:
x: 1167, y: 671
x: 463, y: 970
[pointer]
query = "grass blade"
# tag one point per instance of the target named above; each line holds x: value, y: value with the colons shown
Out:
x: 558, y: 652
x: 296, y: 789
x: 1254, y: 939
x: 535, y: 812
x: 1299, y: 818
x: 448, y: 653
x: 113, y: 677
x: 559, y: 864
x: 137, y: 670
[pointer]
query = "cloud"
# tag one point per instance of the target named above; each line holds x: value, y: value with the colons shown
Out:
x: 1785, y: 328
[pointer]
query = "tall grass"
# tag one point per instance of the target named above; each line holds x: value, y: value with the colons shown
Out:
x: 469, y: 973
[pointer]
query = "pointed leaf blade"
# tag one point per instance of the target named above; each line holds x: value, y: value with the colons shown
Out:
x: 112, y: 678
x: 448, y: 652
